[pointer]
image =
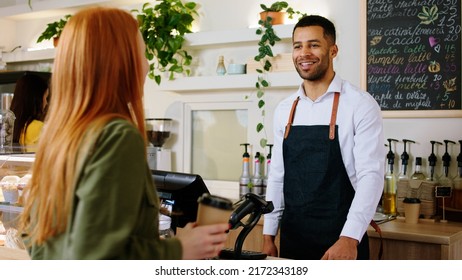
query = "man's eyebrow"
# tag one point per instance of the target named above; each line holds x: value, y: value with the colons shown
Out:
x: 308, y: 41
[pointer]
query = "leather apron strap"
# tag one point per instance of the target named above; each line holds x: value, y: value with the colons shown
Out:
x: 333, y: 117
x: 379, y: 231
x: 291, y: 117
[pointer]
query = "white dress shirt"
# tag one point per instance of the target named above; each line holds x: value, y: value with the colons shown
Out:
x: 361, y: 139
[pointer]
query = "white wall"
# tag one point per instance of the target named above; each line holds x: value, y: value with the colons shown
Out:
x: 236, y: 14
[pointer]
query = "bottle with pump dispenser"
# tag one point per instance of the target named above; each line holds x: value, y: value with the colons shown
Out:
x: 446, y: 180
x: 432, y: 159
x: 257, y: 178
x: 418, y: 174
x: 423, y: 190
x: 403, y: 174
x: 389, y: 189
x: 403, y: 186
x: 244, y: 180
x: 457, y: 192
x: 267, y: 170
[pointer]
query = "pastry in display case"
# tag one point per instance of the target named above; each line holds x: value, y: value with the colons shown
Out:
x: 14, y: 176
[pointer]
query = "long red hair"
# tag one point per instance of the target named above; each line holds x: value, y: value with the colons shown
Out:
x: 97, y: 76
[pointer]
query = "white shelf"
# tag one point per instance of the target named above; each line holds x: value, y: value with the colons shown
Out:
x: 44, y: 8
x: 17, y: 158
x: 10, y: 208
x: 193, y: 40
x: 23, y: 56
x: 288, y: 79
x: 222, y: 37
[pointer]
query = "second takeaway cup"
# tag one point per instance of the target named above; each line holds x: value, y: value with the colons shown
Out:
x: 213, y: 210
x: 411, y: 210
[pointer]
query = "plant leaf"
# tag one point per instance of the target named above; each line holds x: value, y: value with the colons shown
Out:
x: 263, y: 142
x: 259, y: 127
x: 261, y: 103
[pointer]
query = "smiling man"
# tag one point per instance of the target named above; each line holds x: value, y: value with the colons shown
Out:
x: 327, y: 166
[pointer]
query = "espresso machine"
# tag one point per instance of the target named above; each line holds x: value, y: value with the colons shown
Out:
x: 158, y: 131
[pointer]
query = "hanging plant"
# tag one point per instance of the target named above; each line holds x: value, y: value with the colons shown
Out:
x: 163, y: 27
x: 268, y: 38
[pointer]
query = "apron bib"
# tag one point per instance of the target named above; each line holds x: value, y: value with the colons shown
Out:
x: 317, y: 190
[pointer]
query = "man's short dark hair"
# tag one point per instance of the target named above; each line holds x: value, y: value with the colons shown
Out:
x: 314, y: 20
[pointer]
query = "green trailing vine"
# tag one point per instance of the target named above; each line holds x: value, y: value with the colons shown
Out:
x: 268, y: 38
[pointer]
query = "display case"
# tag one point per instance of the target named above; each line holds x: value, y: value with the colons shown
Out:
x: 12, y: 165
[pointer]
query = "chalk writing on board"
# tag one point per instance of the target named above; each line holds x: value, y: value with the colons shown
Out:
x: 414, y: 54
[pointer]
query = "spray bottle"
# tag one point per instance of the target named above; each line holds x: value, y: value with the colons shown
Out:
x: 268, y: 164
x: 244, y: 180
x: 257, y: 178
x: 389, y: 189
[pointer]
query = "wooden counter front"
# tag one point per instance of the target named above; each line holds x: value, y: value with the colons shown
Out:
x: 427, y: 240
x: 13, y: 254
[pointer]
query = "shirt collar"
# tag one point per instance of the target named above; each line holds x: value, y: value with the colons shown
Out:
x: 335, y: 86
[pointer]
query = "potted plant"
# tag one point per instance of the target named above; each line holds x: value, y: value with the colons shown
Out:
x: 275, y: 11
x: 163, y: 27
x: 54, y: 30
x: 268, y: 39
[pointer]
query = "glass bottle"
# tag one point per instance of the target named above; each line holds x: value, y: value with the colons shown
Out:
x: 418, y: 174
x: 221, y: 70
x: 2, y: 63
x: 457, y: 192
x: 389, y: 193
x: 458, y: 182
x: 446, y: 180
x: 165, y: 226
x: 389, y: 188
x: 7, y: 119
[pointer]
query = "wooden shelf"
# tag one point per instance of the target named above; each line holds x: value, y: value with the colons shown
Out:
x: 279, y: 80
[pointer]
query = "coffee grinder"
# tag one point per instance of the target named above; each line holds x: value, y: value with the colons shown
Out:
x: 158, y: 131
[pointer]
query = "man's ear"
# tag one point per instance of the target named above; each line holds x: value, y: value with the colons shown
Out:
x: 333, y: 50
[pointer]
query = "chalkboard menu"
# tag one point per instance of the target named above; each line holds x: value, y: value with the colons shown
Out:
x: 414, y: 54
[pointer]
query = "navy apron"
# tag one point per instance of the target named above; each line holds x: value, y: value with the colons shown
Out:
x: 317, y: 190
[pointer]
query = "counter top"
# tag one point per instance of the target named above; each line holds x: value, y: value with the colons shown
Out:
x: 427, y: 231
x: 427, y: 240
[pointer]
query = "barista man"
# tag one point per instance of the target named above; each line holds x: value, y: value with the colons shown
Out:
x: 327, y: 166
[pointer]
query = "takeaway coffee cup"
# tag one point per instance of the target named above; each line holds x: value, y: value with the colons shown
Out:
x: 411, y: 210
x: 213, y: 210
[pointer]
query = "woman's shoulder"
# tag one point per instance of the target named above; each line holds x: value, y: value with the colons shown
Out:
x: 120, y: 130
x: 35, y: 124
x: 119, y: 124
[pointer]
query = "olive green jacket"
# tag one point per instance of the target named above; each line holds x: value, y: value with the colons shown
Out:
x: 116, y: 207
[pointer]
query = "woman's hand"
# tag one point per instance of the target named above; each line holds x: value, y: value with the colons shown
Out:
x: 201, y: 242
